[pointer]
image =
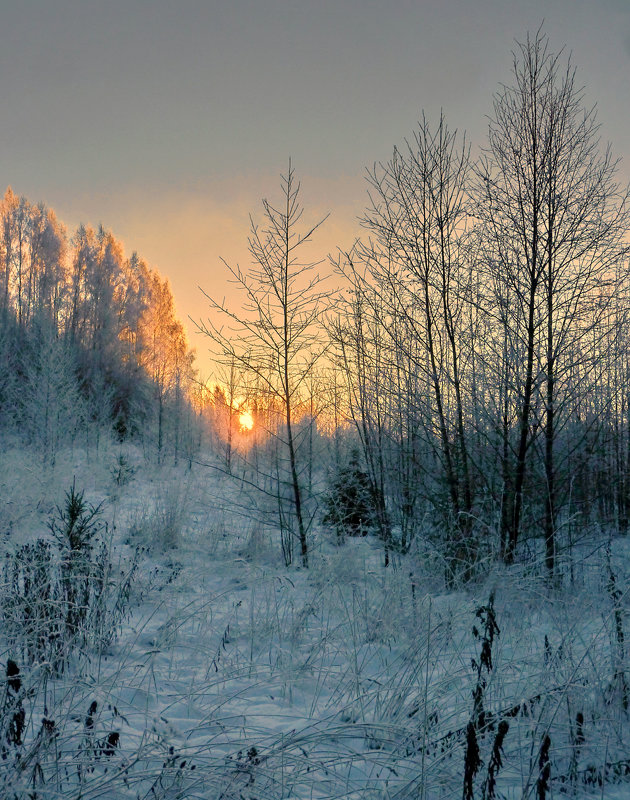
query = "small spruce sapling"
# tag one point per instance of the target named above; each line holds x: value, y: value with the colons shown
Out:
x: 122, y: 471
x: 349, y: 502
x: 77, y: 524
x: 74, y: 530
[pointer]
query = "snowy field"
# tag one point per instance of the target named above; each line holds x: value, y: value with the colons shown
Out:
x: 232, y: 676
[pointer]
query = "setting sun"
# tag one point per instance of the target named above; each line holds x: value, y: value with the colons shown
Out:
x: 246, y: 421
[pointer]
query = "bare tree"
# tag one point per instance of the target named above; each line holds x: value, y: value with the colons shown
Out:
x: 553, y: 222
x: 276, y: 337
x: 415, y: 263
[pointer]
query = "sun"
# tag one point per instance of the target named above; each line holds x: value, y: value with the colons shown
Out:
x: 246, y: 421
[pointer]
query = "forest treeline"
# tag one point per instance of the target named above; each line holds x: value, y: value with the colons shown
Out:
x: 89, y: 340
x: 479, y: 355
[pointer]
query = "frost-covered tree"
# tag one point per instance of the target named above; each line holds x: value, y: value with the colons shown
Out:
x: 165, y: 354
x: 276, y: 337
x: 102, y: 305
x: 52, y: 409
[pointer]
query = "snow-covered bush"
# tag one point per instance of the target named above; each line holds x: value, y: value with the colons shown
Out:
x: 58, y: 598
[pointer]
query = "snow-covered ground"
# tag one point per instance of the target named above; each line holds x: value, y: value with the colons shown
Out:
x: 236, y: 677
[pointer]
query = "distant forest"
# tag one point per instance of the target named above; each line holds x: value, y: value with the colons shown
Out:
x: 88, y: 338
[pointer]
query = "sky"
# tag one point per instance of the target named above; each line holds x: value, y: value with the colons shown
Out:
x: 169, y: 122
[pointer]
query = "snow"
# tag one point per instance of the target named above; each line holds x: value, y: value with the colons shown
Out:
x: 236, y: 677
